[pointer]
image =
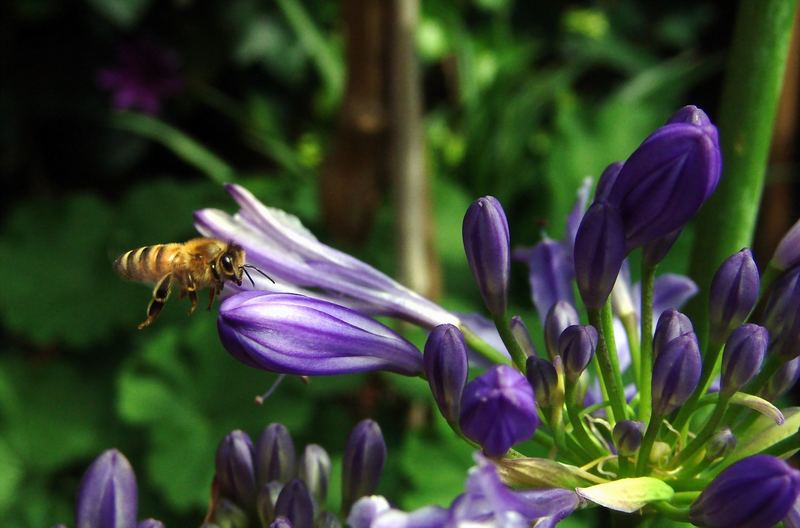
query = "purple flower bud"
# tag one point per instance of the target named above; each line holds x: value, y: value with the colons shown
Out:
x: 576, y: 347
x: 543, y: 378
x: 522, y: 336
x: 315, y: 471
x: 666, y: 180
x: 734, y: 292
x: 295, y: 334
x: 655, y: 251
x: 366, y: 510
x: 235, y: 469
x: 783, y: 380
x: 599, y: 252
x: 150, y: 523
x: 787, y: 254
x: 445, y: 362
x: 788, y: 346
x: 606, y: 181
x: 671, y: 324
x: 741, y: 361
x: 560, y: 316
x: 783, y: 301
x: 721, y: 444
x: 628, y: 436
x: 364, y: 456
x: 498, y: 410
x: 486, y: 243
x: 676, y: 373
x: 281, y: 522
x: 754, y: 492
x: 107, y: 495
x: 266, y: 499
x: 294, y: 503
x: 275, y: 455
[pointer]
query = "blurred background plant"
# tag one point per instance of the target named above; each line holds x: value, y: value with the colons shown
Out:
x: 120, y: 118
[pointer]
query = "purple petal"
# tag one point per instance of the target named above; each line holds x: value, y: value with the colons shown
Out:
x: 427, y: 517
x: 671, y: 291
x: 366, y: 510
x: 550, y: 273
x: 484, y: 328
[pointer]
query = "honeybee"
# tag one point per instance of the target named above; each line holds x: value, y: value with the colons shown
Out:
x: 193, y: 265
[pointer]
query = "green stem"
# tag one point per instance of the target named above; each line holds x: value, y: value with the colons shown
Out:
x: 705, y: 433
x: 647, y: 444
x: 632, y: 333
x: 517, y: 354
x: 711, y: 359
x: 588, y: 444
x: 756, y: 65
x: 608, y: 361
x: 784, y: 447
x: 481, y: 347
x: 672, y: 512
x: 646, y: 373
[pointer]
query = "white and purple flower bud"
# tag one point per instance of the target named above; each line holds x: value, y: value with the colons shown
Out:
x: 362, y: 465
x: 108, y: 494
x: 676, y: 373
x: 671, y: 324
x: 230, y: 515
x: 498, y: 410
x: 733, y: 294
x: 667, y: 178
x: 628, y: 435
x: 487, y: 246
x: 266, y: 499
x: 787, y: 254
x: 446, y: 368
x: 366, y: 510
x: 235, y: 469
x: 150, y: 523
x: 721, y: 444
x: 560, y: 316
x: 522, y: 336
x: 295, y: 505
x: 295, y: 334
x: 755, y: 492
x: 742, y: 358
x: 281, y: 522
x: 315, y: 471
x: 543, y: 377
x: 783, y: 380
x: 599, y: 252
x: 576, y: 346
x: 274, y: 455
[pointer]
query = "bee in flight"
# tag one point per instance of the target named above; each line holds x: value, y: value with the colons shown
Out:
x: 193, y: 265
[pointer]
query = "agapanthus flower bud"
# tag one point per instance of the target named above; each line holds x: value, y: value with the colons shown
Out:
x: 576, y: 347
x: 676, y: 373
x: 783, y: 301
x: 281, y: 522
x: 487, y: 245
x: 560, y: 316
x: 294, y: 503
x: 266, y: 499
x: 783, y: 380
x: 606, y: 181
x: 522, y: 336
x: 445, y: 362
x: 543, y: 378
x: 733, y: 294
x: 230, y: 515
x: 366, y: 510
x: 108, y: 495
x: 150, y: 523
x: 754, y: 492
x: 295, y: 334
x: 628, y: 435
x: 599, y: 252
x: 275, y: 455
x: 235, y: 468
x: 498, y: 410
x: 315, y: 471
x: 654, y: 251
x: 666, y: 180
x: 362, y: 466
x: 787, y: 254
x: 741, y: 360
x: 671, y: 324
x: 788, y: 347
x: 721, y: 444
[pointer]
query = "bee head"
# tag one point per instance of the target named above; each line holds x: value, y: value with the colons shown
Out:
x: 231, y: 263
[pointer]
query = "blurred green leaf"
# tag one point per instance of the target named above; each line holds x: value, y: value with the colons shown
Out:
x: 123, y: 13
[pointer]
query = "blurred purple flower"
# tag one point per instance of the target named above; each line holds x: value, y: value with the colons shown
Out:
x: 143, y: 76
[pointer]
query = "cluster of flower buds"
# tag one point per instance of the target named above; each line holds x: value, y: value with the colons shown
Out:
x: 266, y: 484
x: 629, y: 414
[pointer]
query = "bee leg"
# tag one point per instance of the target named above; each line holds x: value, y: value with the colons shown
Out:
x: 191, y: 291
x: 211, y: 293
x: 160, y: 294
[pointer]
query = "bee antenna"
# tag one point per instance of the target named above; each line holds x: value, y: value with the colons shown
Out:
x: 258, y: 270
x: 260, y: 399
x: 248, y: 276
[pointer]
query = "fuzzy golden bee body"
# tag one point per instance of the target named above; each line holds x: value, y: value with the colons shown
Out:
x: 190, y: 266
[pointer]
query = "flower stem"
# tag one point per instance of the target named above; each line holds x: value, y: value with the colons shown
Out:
x: 588, y: 444
x: 481, y: 347
x: 647, y: 443
x: 672, y: 512
x: 517, y: 354
x: 705, y: 433
x: 608, y: 361
x: 646, y: 351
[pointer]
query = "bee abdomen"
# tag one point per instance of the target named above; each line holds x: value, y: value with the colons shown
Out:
x: 141, y: 264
